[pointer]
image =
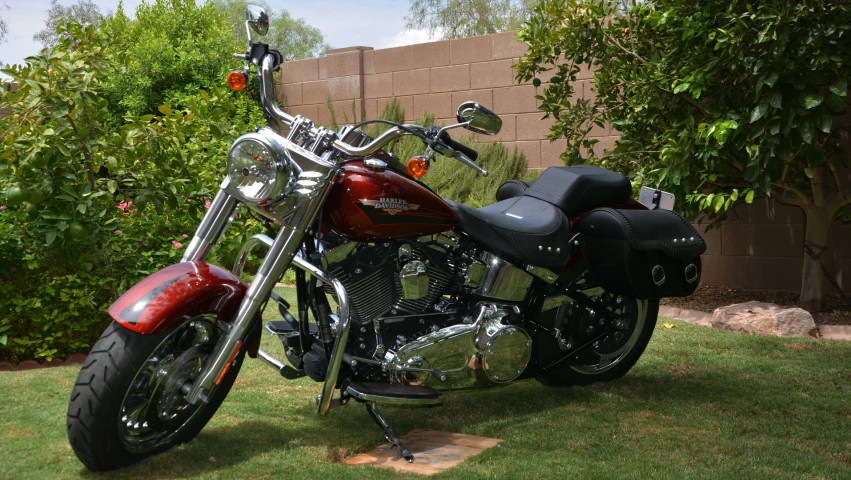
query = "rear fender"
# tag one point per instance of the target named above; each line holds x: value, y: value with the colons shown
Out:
x: 178, y: 292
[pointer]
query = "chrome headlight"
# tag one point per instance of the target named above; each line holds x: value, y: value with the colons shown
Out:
x: 259, y: 168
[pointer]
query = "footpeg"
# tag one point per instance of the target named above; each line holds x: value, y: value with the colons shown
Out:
x: 389, y: 434
x: 394, y: 394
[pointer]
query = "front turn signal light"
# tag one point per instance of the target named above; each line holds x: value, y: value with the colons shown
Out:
x: 237, y: 80
x: 417, y: 167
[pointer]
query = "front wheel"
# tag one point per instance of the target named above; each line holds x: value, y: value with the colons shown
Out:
x: 613, y: 356
x: 128, y: 401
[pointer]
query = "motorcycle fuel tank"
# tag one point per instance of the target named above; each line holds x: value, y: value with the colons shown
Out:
x: 368, y: 205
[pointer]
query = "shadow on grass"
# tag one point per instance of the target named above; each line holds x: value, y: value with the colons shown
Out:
x: 516, y: 410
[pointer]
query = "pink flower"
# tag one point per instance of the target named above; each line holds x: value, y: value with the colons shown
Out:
x: 207, y: 204
x: 185, y: 236
x: 118, y: 232
x: 2, y: 207
x: 176, y: 244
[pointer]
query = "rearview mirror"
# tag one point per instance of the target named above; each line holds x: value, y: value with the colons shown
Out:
x: 479, y: 118
x: 258, y: 20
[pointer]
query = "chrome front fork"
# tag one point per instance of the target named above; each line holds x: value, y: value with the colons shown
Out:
x: 281, y: 253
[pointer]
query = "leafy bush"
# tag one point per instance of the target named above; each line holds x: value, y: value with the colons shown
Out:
x: 93, y: 201
x: 166, y: 53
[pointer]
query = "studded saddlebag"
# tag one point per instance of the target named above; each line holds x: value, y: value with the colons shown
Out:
x: 642, y: 253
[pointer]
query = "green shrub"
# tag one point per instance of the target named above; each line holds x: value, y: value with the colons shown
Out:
x: 95, y: 201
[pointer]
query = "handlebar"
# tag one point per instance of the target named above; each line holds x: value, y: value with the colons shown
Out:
x: 460, y: 152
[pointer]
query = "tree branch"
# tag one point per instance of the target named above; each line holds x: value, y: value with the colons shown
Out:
x: 817, y: 184
x: 641, y: 59
x: 842, y: 193
x: 786, y: 167
x: 804, y: 200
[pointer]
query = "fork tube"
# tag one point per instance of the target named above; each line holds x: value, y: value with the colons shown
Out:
x: 216, y: 220
x: 276, y: 262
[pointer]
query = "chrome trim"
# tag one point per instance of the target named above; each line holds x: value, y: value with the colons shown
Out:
x: 343, y: 328
x: 505, y: 349
x: 544, y: 274
x: 246, y: 249
x: 213, y: 225
x: 504, y: 281
x: 368, y: 397
x: 375, y: 164
x: 414, y: 280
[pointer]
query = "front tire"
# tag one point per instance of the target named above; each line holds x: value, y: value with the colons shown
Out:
x: 126, y: 404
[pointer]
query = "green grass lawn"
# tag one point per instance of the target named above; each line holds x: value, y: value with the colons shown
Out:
x: 701, y: 403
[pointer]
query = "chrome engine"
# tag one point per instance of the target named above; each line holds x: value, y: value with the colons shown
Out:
x: 413, y: 319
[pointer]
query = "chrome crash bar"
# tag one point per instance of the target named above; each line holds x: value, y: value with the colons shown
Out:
x: 343, y: 327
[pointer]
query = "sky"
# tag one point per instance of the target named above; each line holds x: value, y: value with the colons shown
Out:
x: 344, y: 23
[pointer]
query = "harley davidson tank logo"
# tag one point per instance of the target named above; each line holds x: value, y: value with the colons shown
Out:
x: 390, y: 205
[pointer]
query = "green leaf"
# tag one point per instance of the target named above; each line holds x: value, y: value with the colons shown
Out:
x: 835, y: 103
x: 771, y: 79
x: 216, y: 132
x: 4, y: 339
x: 112, y: 186
x: 759, y: 111
x: 775, y: 99
x: 809, y: 172
x: 811, y: 100
x: 823, y: 119
x: 719, y: 202
x: 749, y: 196
x: 682, y: 87
x: 164, y: 110
x: 807, y: 131
x: 51, y: 236
x: 840, y: 88
x: 81, y: 208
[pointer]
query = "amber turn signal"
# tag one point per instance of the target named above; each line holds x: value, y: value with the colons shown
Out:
x: 417, y: 167
x: 237, y: 80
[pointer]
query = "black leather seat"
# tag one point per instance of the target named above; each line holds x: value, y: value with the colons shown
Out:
x: 574, y: 189
x: 523, y: 229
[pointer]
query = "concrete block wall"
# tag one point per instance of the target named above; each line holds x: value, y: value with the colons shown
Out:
x: 432, y: 77
x: 760, y: 247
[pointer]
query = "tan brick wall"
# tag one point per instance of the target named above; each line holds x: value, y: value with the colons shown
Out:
x: 432, y: 77
x: 760, y: 247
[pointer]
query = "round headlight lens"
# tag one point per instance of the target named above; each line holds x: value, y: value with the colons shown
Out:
x: 256, y: 168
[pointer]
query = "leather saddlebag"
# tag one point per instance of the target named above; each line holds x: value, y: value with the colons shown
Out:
x: 644, y: 254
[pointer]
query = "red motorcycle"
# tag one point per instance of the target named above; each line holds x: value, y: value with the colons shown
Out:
x: 559, y: 280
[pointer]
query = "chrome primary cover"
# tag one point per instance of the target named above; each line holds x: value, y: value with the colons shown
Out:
x: 482, y: 351
x: 505, y: 350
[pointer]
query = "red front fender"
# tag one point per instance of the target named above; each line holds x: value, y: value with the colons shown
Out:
x: 174, y: 293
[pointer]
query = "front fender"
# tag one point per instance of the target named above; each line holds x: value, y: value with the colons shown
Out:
x: 174, y: 293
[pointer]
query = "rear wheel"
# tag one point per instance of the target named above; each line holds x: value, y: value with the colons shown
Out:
x: 128, y: 401
x: 628, y: 323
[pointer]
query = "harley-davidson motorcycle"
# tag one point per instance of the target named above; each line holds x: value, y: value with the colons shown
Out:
x: 402, y: 295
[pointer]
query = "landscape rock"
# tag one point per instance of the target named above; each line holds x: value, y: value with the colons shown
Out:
x: 28, y: 365
x: 765, y: 319
x: 76, y: 359
x: 56, y: 362
x: 6, y: 367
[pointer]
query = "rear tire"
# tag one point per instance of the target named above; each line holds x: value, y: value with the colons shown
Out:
x: 621, y: 360
x: 111, y: 369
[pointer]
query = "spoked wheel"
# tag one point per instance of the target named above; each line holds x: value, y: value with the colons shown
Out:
x: 627, y: 324
x: 128, y: 402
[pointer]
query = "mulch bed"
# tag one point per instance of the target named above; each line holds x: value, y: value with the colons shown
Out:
x: 709, y: 297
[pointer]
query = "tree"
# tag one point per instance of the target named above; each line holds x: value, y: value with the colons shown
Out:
x: 84, y: 11
x: 467, y: 18
x: 293, y: 37
x: 717, y: 101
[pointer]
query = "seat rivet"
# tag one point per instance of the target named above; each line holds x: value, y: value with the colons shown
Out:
x: 691, y: 239
x: 549, y: 249
x: 684, y: 240
x: 675, y: 240
x: 558, y: 250
x: 540, y: 247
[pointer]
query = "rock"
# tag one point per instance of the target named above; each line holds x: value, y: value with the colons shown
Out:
x: 56, y: 362
x: 28, y: 365
x: 76, y: 359
x: 6, y: 367
x: 765, y: 319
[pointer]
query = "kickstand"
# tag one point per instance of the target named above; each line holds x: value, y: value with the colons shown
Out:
x: 391, y: 437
